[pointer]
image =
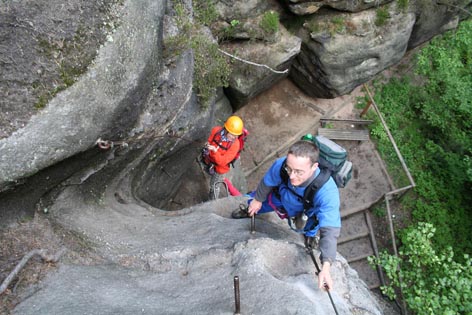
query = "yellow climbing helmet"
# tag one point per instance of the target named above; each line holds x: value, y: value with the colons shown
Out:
x: 234, y: 125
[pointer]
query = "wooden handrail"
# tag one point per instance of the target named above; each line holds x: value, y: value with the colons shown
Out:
x: 396, y: 191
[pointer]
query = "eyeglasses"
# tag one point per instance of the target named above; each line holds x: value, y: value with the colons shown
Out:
x: 298, y: 173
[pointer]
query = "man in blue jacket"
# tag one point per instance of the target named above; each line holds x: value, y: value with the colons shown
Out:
x: 273, y: 194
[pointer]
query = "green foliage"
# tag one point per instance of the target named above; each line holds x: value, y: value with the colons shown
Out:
x: 403, y: 4
x: 381, y: 17
x: 234, y: 23
x: 313, y: 26
x: 228, y: 32
x: 42, y: 101
x: 211, y: 69
x: 337, y: 24
x: 205, y: 11
x: 270, y: 22
x: 431, y: 281
x: 379, y: 211
x: 431, y: 123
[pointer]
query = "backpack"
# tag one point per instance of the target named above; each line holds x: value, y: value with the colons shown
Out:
x: 205, y: 154
x: 334, y: 158
x: 332, y: 162
x: 242, y: 139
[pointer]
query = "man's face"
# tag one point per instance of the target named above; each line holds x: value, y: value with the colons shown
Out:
x: 299, y: 169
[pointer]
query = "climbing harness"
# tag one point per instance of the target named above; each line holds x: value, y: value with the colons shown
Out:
x: 309, y: 250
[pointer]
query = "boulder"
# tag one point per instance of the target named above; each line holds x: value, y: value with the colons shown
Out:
x: 105, y: 102
x: 248, y: 80
x: 305, y: 7
x: 432, y: 19
x: 338, y: 56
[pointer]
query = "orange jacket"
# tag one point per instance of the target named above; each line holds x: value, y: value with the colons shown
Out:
x: 226, y: 152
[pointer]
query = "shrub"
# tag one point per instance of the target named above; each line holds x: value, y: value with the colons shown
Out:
x: 211, y: 69
x: 205, y: 11
x: 431, y: 282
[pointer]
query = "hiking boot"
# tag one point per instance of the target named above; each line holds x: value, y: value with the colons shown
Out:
x: 240, y: 213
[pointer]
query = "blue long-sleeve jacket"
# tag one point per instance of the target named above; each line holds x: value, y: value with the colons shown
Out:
x: 325, y: 208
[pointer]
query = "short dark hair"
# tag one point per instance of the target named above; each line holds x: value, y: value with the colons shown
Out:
x: 303, y: 148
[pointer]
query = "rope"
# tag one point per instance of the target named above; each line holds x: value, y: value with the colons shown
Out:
x: 252, y: 63
x: 310, y: 252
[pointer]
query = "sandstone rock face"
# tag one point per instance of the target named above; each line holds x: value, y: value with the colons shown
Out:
x: 304, y: 7
x: 332, y: 64
x: 249, y: 80
x: 116, y: 99
x: 105, y: 102
x: 432, y: 19
x: 261, y: 58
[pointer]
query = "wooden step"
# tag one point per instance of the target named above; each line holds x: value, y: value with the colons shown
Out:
x: 352, y: 237
x: 323, y: 121
x: 344, y: 134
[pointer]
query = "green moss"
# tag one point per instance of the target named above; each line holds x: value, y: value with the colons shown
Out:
x: 69, y: 74
x: 403, y: 4
x: 228, y: 32
x: 313, y: 26
x: 381, y: 17
x: 42, y: 101
x: 205, y: 11
x: 270, y: 22
x: 337, y: 25
x: 211, y: 68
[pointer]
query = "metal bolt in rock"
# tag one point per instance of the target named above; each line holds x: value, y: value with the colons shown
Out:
x: 237, y: 301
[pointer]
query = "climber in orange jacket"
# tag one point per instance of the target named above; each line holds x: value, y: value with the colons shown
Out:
x: 223, y: 148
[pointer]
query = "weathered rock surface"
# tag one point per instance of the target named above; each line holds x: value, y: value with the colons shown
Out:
x: 103, y: 103
x: 184, y: 262
x: 266, y: 56
x: 273, y: 59
x: 305, y: 7
x: 432, y: 19
x: 332, y: 62
x: 330, y: 65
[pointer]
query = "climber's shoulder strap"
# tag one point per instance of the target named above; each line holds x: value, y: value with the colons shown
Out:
x: 311, y: 189
x: 217, y: 139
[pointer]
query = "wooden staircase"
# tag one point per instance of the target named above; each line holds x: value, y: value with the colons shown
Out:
x: 356, y: 243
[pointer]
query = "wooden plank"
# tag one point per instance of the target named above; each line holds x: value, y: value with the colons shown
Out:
x: 344, y: 134
x: 352, y: 237
x: 350, y: 121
